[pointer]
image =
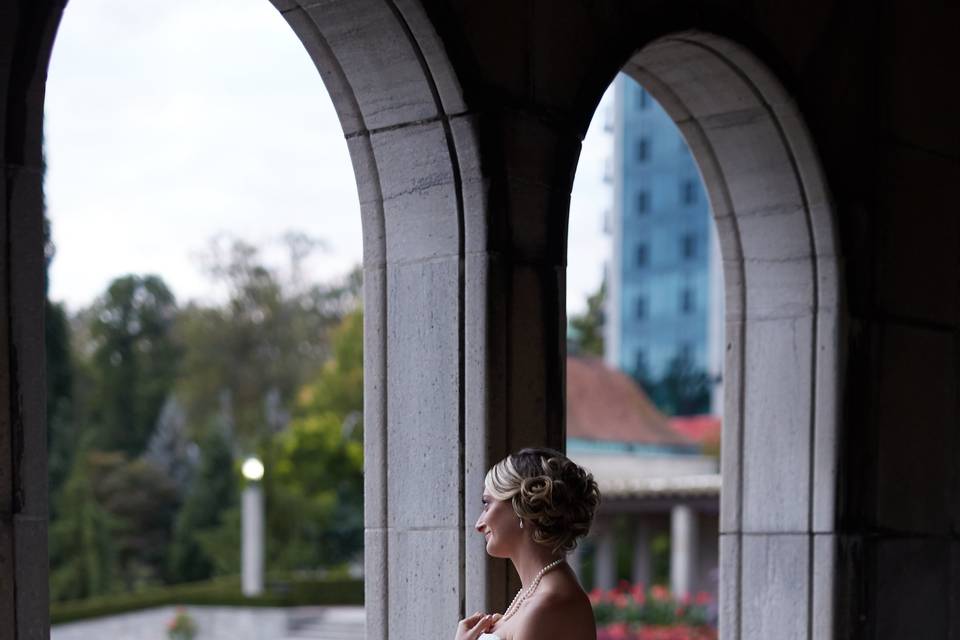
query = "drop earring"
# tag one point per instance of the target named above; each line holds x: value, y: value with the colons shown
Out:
x: 521, y: 523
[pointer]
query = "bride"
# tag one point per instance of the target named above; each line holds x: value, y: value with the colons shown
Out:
x: 537, y: 504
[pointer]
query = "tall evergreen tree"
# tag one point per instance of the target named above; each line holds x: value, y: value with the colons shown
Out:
x: 142, y: 502
x: 82, y: 558
x: 213, y: 493
x: 61, y: 431
x: 135, y: 361
x: 61, y: 434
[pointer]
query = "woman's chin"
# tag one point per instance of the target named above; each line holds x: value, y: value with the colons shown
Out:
x: 494, y: 551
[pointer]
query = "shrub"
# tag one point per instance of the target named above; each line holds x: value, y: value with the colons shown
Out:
x: 182, y: 626
x: 632, y: 612
x: 281, y: 591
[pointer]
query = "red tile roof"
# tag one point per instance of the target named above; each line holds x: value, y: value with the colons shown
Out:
x: 703, y: 428
x: 606, y: 404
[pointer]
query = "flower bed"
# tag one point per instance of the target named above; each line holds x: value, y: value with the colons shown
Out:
x: 633, y: 612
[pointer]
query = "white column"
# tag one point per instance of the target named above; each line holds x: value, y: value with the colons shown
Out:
x: 251, y: 565
x: 642, y: 552
x: 683, y: 540
x: 605, y: 560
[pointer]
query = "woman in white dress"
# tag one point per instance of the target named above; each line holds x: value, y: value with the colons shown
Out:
x: 537, y: 504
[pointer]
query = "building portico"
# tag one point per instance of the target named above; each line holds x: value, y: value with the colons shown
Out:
x: 826, y: 138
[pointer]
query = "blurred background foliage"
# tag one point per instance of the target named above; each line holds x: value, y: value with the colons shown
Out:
x: 152, y: 404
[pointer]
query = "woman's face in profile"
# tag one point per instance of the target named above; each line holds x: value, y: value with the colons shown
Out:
x: 499, y: 525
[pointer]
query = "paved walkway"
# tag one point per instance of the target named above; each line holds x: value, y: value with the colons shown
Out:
x: 326, y: 623
x: 225, y: 623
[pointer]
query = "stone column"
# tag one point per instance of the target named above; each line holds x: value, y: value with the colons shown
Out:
x: 513, y: 309
x: 642, y: 537
x: 605, y: 560
x: 683, y: 541
x: 27, y: 31
x: 252, y: 535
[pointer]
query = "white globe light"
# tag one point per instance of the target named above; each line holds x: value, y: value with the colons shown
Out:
x: 252, y: 469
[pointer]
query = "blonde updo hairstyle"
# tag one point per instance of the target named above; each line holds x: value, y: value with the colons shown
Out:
x: 548, y: 490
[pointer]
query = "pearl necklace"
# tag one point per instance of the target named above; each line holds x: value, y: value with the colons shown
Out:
x: 523, y: 595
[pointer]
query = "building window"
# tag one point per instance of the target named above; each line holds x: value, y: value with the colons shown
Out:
x: 643, y: 99
x: 643, y: 255
x: 643, y: 149
x: 643, y: 201
x: 688, y: 192
x: 688, y: 246
x: 641, y: 308
x: 686, y: 301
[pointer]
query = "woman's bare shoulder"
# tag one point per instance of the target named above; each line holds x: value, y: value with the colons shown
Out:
x: 558, y: 614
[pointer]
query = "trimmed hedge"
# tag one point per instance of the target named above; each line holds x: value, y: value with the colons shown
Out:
x: 288, y: 591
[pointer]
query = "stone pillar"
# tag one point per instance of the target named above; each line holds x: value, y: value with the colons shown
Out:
x: 642, y: 538
x: 253, y: 539
x: 683, y: 549
x: 26, y: 30
x: 514, y: 319
x: 605, y: 560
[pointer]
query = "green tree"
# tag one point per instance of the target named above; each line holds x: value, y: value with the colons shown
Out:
x: 315, y: 491
x: 134, y: 361
x: 61, y: 431
x: 684, y: 389
x: 61, y: 435
x: 213, y: 494
x: 587, y: 329
x: 142, y: 502
x: 262, y: 345
x: 82, y: 555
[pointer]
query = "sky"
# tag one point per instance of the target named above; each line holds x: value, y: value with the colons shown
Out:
x: 172, y: 122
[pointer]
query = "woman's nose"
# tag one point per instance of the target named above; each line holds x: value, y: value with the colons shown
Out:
x: 479, y: 525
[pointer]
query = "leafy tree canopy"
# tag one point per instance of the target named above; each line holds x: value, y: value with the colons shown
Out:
x: 586, y: 330
x: 134, y: 361
x: 318, y: 463
x: 261, y: 345
x: 683, y: 390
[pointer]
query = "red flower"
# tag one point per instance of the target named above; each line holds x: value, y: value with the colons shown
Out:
x: 659, y: 593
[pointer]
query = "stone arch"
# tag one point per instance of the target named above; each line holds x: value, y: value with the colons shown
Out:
x: 782, y: 287
x: 413, y: 152
x: 436, y: 254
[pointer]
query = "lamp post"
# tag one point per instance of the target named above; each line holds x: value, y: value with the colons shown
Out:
x: 251, y: 566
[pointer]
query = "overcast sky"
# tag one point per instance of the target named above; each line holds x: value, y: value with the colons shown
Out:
x: 171, y: 121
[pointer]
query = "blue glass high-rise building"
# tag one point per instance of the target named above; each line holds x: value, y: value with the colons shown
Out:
x: 664, y: 277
